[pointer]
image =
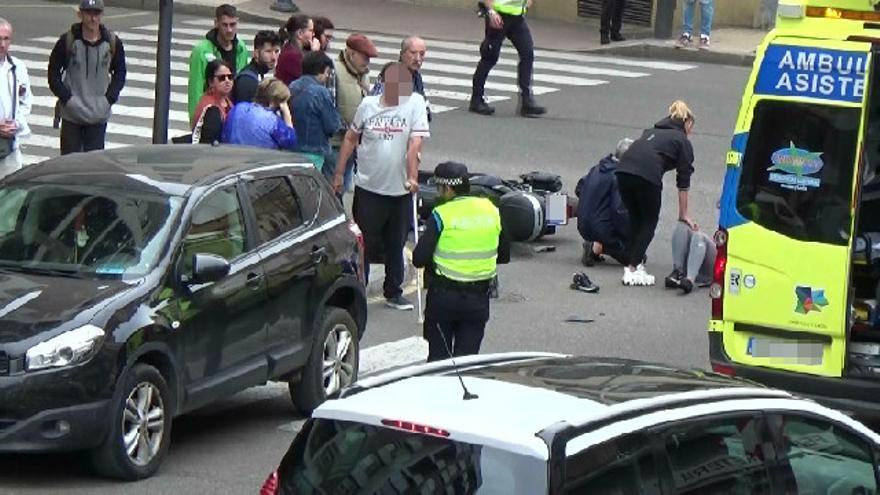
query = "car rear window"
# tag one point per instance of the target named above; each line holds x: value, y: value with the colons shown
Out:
x: 797, y: 170
x: 341, y: 457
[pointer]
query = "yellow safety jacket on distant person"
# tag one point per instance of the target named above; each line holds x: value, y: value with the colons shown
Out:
x: 510, y: 7
x: 468, y: 245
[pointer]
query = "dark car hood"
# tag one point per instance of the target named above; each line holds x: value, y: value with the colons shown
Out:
x: 32, y: 304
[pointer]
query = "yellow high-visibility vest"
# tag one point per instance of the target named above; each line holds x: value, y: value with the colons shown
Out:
x: 468, y: 245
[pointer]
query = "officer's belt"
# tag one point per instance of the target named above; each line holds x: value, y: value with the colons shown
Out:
x: 447, y: 283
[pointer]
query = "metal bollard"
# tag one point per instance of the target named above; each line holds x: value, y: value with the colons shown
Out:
x: 663, y: 19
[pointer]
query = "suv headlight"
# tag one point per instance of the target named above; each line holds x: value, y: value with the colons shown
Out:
x: 72, y: 347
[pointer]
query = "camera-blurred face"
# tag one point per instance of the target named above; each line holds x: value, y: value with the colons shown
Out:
x: 398, y: 84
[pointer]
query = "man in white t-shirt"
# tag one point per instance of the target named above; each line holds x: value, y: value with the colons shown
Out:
x: 387, y: 130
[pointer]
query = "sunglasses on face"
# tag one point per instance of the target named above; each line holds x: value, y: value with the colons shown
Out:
x: 224, y: 77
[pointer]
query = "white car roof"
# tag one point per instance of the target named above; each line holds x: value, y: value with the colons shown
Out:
x: 516, y: 402
x: 505, y: 415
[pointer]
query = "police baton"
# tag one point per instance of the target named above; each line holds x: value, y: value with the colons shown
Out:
x: 415, y: 217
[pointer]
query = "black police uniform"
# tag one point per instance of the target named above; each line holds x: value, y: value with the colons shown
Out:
x: 456, y: 312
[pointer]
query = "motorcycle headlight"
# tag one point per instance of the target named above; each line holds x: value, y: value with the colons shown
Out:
x: 72, y: 347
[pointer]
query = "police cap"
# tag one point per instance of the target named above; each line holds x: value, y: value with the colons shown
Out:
x: 451, y: 174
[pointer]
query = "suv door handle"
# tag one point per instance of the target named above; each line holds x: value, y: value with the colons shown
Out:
x: 319, y: 254
x: 253, y: 280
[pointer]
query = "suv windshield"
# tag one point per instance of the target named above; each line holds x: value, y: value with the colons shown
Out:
x: 82, y: 230
x: 798, y: 168
x: 340, y: 457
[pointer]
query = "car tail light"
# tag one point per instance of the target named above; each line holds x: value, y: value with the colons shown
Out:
x: 359, y: 235
x: 723, y: 369
x: 270, y: 486
x: 415, y: 428
x: 716, y: 291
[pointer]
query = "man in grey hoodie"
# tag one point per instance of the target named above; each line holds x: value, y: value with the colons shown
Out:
x: 86, y: 73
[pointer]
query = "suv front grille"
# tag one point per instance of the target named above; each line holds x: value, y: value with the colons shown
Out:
x: 4, y: 364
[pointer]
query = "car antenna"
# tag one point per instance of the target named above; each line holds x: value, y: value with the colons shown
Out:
x: 467, y: 394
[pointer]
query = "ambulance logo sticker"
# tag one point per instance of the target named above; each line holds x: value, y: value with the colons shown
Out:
x: 809, y: 299
x: 792, y: 166
x: 735, y: 281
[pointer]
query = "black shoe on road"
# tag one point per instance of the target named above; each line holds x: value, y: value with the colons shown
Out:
x: 580, y: 281
x: 673, y: 280
x: 687, y: 286
x: 399, y: 302
x: 481, y: 107
x: 528, y: 107
x: 604, y: 39
x: 617, y: 37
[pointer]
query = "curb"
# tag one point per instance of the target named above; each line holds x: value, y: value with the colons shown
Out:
x: 652, y: 50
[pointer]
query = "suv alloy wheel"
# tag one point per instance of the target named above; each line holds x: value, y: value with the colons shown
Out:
x: 140, y: 431
x: 333, y: 363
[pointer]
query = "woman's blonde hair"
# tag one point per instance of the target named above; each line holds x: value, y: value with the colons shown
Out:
x: 679, y: 110
x: 271, y: 90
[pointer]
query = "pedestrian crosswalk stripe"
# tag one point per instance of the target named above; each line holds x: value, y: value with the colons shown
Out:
x: 119, y: 109
x: 431, y: 66
x: 456, y: 45
x: 30, y: 159
x: 447, y: 74
x: 127, y: 91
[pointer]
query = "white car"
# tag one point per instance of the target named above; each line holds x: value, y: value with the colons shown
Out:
x: 537, y: 423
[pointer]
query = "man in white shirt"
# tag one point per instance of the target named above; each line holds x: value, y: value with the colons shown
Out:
x: 15, y: 103
x: 387, y: 130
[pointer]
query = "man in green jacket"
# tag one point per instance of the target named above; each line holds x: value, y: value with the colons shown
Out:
x: 220, y: 42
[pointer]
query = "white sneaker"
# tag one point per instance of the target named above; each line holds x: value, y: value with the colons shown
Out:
x: 647, y: 277
x: 635, y: 277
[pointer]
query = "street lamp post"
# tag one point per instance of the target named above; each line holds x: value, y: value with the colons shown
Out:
x: 663, y: 19
x: 163, y: 73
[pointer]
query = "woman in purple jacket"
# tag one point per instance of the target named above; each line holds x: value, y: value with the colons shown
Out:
x: 265, y: 123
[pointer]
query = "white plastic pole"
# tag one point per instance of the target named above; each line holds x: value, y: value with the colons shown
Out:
x: 415, y: 216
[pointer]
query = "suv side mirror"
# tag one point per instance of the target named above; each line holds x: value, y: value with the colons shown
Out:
x: 208, y: 268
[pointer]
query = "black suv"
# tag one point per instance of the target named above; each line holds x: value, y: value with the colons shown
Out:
x: 141, y: 283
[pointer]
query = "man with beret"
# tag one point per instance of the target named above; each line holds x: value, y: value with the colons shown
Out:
x: 352, y: 84
x: 460, y: 249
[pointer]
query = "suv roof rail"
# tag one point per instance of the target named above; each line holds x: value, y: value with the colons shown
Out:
x: 386, y: 377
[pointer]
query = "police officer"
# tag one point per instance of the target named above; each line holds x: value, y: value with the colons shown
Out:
x: 460, y: 248
x: 506, y: 19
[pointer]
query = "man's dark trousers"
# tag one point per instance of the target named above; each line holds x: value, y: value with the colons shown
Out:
x: 517, y: 31
x: 80, y: 137
x: 384, y: 221
x: 612, y: 17
x: 461, y: 317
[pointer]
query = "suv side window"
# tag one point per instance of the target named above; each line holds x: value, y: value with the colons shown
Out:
x: 815, y: 456
x: 276, y: 207
x: 621, y: 466
x: 719, y: 455
x: 309, y: 193
x: 217, y: 227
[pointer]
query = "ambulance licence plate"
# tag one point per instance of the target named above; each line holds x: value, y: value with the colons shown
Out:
x: 786, y: 351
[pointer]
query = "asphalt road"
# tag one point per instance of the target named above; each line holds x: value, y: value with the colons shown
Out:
x: 230, y: 447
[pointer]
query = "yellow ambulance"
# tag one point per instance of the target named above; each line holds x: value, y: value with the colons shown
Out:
x: 795, y: 295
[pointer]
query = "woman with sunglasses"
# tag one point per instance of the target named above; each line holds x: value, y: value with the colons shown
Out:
x: 210, y: 114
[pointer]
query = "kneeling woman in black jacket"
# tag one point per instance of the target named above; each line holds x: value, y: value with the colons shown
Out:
x: 640, y: 178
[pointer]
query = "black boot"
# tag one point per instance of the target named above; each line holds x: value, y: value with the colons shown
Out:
x: 617, y: 37
x: 480, y: 106
x: 604, y: 39
x: 528, y: 107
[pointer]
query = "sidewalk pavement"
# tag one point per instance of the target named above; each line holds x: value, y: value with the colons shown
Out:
x: 731, y: 46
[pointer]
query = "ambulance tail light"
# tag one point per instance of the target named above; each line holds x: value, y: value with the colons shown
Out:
x: 716, y: 291
x: 789, y: 11
x: 845, y: 14
x: 723, y: 369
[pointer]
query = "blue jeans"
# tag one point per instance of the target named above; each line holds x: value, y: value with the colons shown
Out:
x: 707, y: 10
x: 349, y: 170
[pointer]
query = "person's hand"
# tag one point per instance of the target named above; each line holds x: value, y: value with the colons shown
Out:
x: 412, y: 185
x: 495, y: 20
x: 8, y: 129
x: 315, y: 44
x: 690, y: 223
x: 337, y: 183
